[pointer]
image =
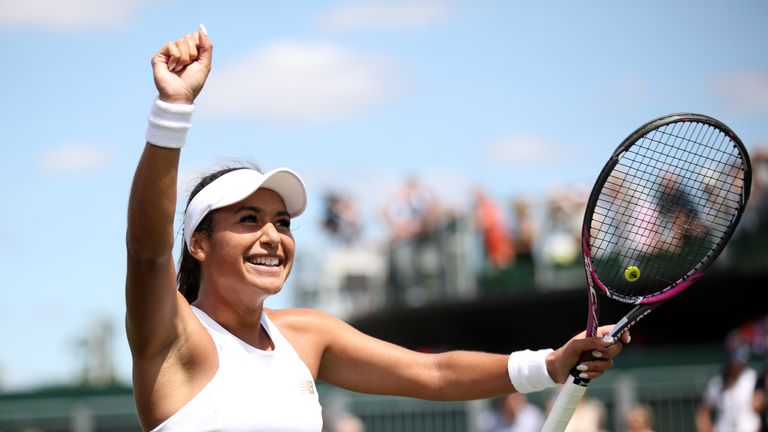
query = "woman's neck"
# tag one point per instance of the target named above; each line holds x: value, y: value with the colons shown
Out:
x: 243, y: 321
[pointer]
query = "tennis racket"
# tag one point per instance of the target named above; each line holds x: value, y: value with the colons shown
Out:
x: 659, y: 214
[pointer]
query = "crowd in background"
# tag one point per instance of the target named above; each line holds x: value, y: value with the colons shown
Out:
x: 503, y: 236
x: 510, y: 234
x: 525, y: 235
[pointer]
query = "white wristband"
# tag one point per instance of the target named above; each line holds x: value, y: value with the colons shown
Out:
x: 528, y: 370
x: 169, y: 123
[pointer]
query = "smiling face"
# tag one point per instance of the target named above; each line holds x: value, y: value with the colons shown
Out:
x: 249, y: 254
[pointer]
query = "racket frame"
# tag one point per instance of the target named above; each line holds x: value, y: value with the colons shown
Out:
x: 646, y: 304
x: 575, y: 387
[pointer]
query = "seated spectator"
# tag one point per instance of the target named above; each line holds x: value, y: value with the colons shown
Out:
x: 588, y: 417
x: 523, y: 230
x: 497, y: 244
x: 511, y: 413
x: 639, y: 418
x: 342, y: 218
x: 560, y: 243
x: 412, y: 216
x: 412, y: 211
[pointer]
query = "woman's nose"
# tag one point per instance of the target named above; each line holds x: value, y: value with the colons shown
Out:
x: 269, y: 234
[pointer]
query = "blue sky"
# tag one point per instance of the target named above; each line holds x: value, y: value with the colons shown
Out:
x: 515, y: 96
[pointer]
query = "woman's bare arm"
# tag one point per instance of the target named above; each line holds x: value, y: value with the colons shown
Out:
x: 180, y: 69
x: 341, y: 355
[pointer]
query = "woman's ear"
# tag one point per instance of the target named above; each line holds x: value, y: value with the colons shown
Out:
x: 197, y: 246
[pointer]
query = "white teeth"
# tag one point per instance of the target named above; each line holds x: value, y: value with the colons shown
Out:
x: 265, y: 260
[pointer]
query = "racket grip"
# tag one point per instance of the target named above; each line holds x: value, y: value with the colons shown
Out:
x: 565, y: 404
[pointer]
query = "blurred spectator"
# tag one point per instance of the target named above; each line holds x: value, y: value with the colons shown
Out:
x: 342, y: 218
x: 727, y: 404
x: 760, y: 399
x: 756, y: 216
x: 754, y: 333
x: 613, y: 206
x: 639, y: 418
x: 589, y: 416
x: 511, y: 413
x: 561, y: 237
x: 348, y: 423
x: 760, y: 396
x: 679, y: 217
x: 412, y: 216
x: 489, y: 221
x: 413, y: 210
x: 610, y: 230
x: 623, y: 220
x: 523, y: 230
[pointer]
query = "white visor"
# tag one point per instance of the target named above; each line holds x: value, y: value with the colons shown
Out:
x: 238, y: 185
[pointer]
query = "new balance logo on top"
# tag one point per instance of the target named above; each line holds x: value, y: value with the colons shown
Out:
x: 306, y: 387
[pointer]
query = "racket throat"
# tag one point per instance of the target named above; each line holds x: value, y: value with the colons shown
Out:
x: 631, y: 318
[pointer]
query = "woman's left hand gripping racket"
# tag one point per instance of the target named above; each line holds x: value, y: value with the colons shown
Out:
x: 661, y: 211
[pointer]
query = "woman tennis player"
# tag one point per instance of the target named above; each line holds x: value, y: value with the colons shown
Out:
x: 206, y: 353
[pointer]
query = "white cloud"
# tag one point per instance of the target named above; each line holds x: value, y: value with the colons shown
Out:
x: 746, y: 91
x: 70, y: 15
x: 76, y: 159
x: 385, y: 15
x: 522, y: 150
x: 301, y: 82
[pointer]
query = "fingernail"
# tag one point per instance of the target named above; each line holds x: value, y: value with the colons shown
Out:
x: 178, y: 68
x: 629, y: 338
x: 609, y: 339
x: 581, y: 367
x: 172, y: 66
x: 203, y: 29
x: 583, y: 375
x: 597, y: 354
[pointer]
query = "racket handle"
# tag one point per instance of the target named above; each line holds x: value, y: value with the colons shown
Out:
x: 565, y: 404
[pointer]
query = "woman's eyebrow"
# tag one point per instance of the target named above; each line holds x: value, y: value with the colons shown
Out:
x: 249, y: 208
x: 259, y: 210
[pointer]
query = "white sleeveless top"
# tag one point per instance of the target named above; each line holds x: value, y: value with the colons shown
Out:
x: 253, y: 390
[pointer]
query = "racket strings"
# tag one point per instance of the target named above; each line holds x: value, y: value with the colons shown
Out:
x: 668, y: 202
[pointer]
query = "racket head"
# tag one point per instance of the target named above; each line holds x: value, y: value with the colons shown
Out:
x: 663, y: 208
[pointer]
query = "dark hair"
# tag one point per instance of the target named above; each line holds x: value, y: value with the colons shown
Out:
x: 188, y: 276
